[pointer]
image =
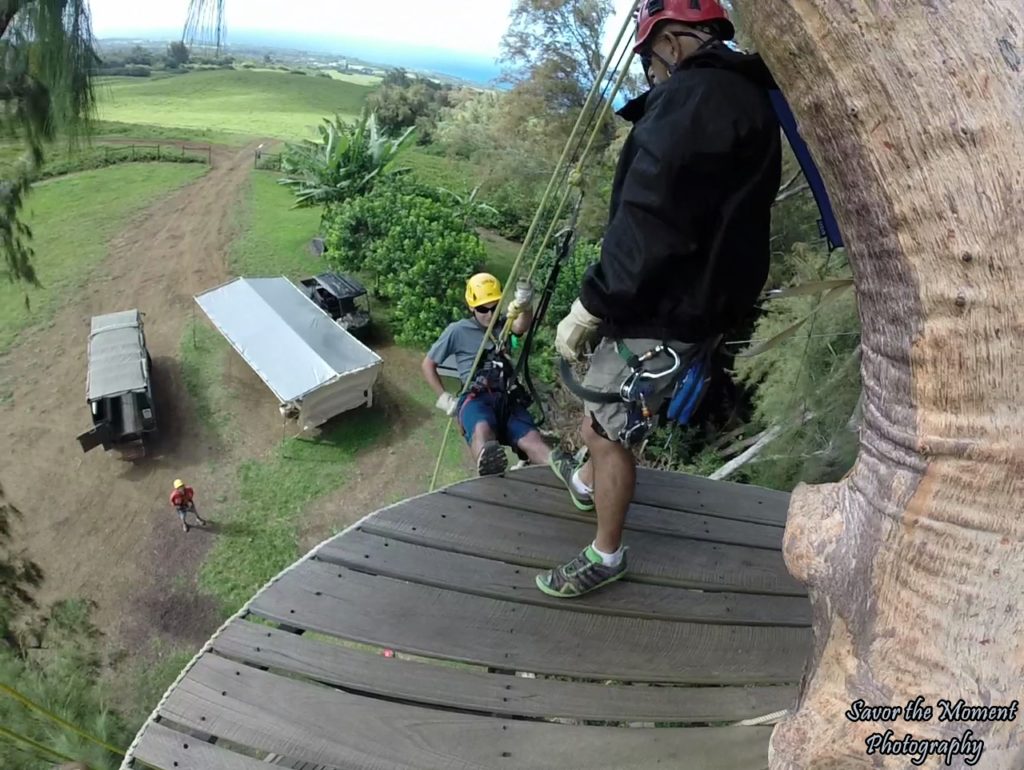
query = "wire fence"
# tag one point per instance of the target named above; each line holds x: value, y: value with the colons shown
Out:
x: 158, y: 151
x: 266, y: 161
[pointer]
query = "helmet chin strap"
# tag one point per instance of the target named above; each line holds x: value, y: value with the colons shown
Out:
x: 670, y: 67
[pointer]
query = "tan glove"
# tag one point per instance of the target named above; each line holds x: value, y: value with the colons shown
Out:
x: 447, y: 403
x: 575, y: 330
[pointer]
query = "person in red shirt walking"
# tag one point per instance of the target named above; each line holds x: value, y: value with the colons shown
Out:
x: 183, y: 499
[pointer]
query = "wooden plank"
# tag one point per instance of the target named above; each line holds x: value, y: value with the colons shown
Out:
x: 683, y: 492
x: 499, y: 580
x: 536, y: 540
x: 554, y: 501
x: 167, y: 749
x: 328, y: 726
x: 472, y: 629
x: 470, y: 690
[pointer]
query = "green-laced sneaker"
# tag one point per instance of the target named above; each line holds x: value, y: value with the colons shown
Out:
x: 563, y: 466
x: 582, y: 575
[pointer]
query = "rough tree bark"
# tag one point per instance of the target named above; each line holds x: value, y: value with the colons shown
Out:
x: 914, y: 110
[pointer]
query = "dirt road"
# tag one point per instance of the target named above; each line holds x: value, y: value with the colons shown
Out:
x: 99, y: 527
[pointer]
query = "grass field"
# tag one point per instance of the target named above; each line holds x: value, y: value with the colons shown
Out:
x: 254, y: 103
x: 358, y: 79
x: 73, y: 219
x: 260, y: 528
x: 275, y: 239
x: 259, y: 538
x: 459, y: 176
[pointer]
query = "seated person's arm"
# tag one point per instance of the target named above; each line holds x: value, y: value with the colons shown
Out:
x: 429, y: 369
x: 522, y: 323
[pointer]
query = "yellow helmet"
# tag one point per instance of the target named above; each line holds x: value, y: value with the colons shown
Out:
x: 482, y: 289
x: 178, y: 483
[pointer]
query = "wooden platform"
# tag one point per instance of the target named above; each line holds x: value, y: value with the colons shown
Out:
x: 653, y: 671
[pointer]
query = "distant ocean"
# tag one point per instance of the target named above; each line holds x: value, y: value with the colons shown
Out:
x: 477, y: 70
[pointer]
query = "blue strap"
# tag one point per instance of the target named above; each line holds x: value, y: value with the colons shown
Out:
x: 828, y: 226
x: 688, y: 392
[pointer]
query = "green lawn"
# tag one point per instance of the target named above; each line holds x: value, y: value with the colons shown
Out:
x: 355, y: 77
x: 501, y: 254
x: 275, y: 237
x: 270, y: 104
x: 72, y: 220
x: 112, y: 130
x: 459, y: 176
x: 258, y: 538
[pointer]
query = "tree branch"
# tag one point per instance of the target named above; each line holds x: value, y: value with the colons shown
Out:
x: 791, y: 193
x: 763, y: 440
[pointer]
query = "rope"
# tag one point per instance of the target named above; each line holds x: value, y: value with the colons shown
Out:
x: 560, y: 168
x: 54, y: 718
x: 5, y: 733
x: 773, y: 717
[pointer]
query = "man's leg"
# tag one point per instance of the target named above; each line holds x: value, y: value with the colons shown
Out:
x: 200, y: 519
x: 478, y: 424
x: 614, y: 469
x: 182, y: 514
x: 604, y: 560
x: 535, y: 447
x: 610, y: 472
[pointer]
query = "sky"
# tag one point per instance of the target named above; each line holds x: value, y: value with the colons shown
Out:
x: 412, y: 30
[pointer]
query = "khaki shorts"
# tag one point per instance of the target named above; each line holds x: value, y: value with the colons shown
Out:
x: 608, y: 370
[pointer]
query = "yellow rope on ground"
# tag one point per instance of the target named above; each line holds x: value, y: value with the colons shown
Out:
x: 54, y: 718
x: 5, y: 733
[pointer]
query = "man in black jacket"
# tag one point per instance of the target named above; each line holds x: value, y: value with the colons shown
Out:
x: 685, y: 254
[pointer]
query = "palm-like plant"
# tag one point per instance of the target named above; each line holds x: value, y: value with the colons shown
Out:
x: 342, y: 163
x: 468, y: 205
x: 46, y: 55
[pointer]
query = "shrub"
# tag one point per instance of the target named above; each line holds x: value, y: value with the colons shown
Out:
x: 416, y: 248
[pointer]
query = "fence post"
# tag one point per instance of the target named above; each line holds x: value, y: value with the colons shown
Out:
x: 209, y: 155
x: 158, y: 151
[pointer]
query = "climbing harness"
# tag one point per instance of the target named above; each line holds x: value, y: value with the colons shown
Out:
x: 495, y: 378
x: 690, y: 371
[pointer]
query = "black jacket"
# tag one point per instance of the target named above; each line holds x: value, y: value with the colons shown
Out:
x: 686, y: 252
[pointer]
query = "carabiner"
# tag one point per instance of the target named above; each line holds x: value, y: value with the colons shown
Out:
x: 626, y: 389
x: 676, y: 363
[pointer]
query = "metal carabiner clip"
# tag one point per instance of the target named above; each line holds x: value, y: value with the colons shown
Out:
x: 676, y: 363
x: 626, y: 389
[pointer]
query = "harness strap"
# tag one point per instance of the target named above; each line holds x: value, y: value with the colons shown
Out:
x: 594, y: 396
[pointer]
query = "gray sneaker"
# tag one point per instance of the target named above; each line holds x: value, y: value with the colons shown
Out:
x: 582, y: 575
x: 563, y: 466
x: 492, y: 459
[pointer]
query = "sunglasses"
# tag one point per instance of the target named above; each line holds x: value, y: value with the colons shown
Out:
x: 486, y: 310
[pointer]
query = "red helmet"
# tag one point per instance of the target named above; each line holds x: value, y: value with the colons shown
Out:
x: 686, y: 11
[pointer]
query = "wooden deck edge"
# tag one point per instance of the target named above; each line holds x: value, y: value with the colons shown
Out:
x: 126, y: 762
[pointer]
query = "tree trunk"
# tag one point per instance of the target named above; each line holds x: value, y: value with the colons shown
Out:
x: 914, y: 110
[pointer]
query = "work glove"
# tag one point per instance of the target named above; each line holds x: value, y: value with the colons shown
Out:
x: 574, y: 331
x: 523, y: 299
x: 447, y: 403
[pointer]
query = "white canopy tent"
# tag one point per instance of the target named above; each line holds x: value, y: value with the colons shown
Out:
x: 312, y: 365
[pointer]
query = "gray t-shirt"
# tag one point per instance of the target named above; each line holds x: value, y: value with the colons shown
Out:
x: 461, y: 339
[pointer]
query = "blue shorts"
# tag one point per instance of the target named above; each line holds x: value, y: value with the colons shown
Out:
x: 481, y: 408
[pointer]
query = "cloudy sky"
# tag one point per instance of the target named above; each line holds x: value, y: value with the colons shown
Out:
x: 470, y: 28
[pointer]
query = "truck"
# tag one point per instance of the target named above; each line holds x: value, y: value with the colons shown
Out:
x: 336, y: 295
x: 119, y: 388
